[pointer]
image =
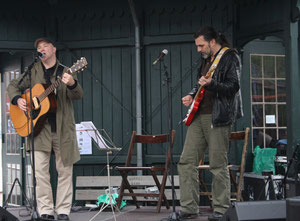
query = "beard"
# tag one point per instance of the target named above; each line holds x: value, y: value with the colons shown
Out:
x: 207, y: 54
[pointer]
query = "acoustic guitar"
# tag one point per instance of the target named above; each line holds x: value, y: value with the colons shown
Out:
x: 43, y: 102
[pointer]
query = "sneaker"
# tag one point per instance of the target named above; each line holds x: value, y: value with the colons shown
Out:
x: 63, y: 217
x: 47, y: 217
x: 185, y: 215
x: 216, y: 216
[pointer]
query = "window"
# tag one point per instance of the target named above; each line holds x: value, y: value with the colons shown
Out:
x: 13, y: 140
x: 268, y: 99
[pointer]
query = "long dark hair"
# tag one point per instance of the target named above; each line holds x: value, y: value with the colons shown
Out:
x: 210, y: 33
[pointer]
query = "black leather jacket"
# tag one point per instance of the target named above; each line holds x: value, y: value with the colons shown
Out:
x: 225, y: 84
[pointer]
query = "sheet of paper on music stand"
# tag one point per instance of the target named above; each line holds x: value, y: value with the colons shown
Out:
x: 94, y: 133
x: 84, y: 140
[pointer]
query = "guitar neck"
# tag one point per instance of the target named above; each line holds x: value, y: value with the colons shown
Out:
x: 208, y: 75
x: 50, y: 89
x: 79, y: 65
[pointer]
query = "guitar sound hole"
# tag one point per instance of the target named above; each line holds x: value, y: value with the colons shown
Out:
x: 35, y: 113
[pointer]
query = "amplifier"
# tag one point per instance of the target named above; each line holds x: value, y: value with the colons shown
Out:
x: 274, y: 210
x: 259, y: 187
x: 292, y: 187
x: 7, y: 216
x: 292, y: 208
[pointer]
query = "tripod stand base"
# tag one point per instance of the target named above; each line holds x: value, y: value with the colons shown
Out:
x: 109, y: 195
x: 173, y: 216
x: 113, y: 209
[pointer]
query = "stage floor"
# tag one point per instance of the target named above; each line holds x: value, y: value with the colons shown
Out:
x: 128, y: 213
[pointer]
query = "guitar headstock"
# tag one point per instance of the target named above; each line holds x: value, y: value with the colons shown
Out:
x: 79, y: 65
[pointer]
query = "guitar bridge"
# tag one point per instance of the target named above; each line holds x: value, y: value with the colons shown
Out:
x: 36, y: 103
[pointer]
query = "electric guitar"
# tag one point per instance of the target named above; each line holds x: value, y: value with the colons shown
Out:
x: 43, y: 101
x: 199, y: 95
x: 196, y: 102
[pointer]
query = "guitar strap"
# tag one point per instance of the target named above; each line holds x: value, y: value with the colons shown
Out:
x: 59, y: 73
x: 216, y: 61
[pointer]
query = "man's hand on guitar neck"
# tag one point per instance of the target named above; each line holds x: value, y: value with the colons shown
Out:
x: 22, y: 104
x: 68, y: 79
x: 203, y: 81
x: 187, y: 100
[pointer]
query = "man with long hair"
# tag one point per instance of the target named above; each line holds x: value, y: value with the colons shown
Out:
x: 211, y: 126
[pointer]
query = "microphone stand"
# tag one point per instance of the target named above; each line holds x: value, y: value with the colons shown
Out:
x: 28, y: 71
x: 35, y: 215
x: 173, y: 215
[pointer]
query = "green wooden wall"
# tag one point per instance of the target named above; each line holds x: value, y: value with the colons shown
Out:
x: 103, y: 32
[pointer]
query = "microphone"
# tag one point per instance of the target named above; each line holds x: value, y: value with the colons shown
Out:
x: 162, y: 54
x: 40, y: 55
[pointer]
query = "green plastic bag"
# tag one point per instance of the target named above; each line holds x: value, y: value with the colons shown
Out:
x: 104, y: 199
x: 264, y: 159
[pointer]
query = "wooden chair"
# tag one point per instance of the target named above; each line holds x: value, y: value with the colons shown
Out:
x: 146, y: 139
x: 233, y: 169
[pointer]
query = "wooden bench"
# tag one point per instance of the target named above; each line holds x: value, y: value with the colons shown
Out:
x: 88, y: 188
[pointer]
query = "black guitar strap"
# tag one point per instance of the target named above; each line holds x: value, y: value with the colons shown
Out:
x: 59, y: 71
x: 52, y: 116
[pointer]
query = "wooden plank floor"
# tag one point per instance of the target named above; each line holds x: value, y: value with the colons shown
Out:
x: 128, y: 213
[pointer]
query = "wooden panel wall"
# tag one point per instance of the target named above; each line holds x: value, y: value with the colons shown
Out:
x: 103, y: 32
x: 258, y: 19
x: 165, y: 25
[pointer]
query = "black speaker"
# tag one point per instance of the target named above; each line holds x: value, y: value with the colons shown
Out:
x: 256, y: 210
x: 292, y: 187
x: 7, y: 216
x: 292, y: 208
x: 259, y: 187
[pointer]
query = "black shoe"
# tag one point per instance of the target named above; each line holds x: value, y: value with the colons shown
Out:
x: 185, y: 215
x: 63, y: 217
x: 216, y: 216
x: 47, y: 217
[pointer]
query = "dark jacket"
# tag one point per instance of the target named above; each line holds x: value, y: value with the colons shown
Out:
x: 225, y: 84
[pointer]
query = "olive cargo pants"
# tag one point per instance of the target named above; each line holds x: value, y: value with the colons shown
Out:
x: 200, y: 137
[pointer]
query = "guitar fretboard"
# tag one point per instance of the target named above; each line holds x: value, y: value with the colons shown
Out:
x: 79, y: 65
x: 49, y: 90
